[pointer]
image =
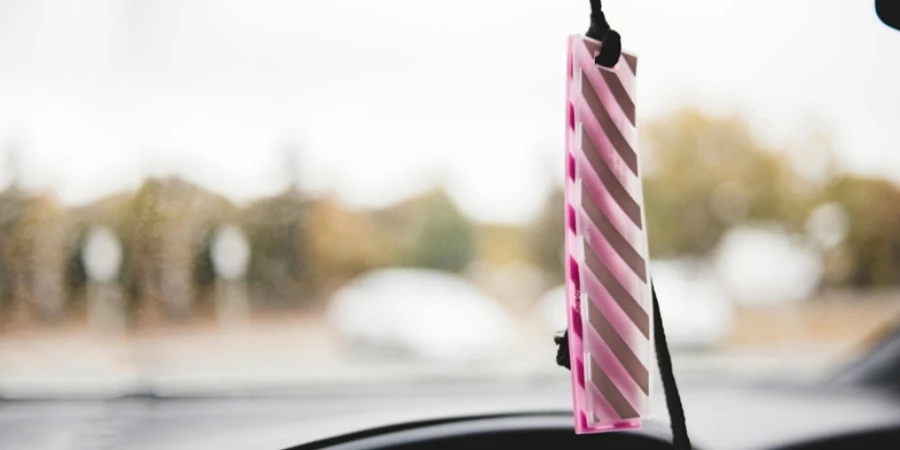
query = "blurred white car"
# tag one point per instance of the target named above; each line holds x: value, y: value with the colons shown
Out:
x: 420, y: 314
x: 762, y: 265
x: 696, y: 312
x: 551, y: 309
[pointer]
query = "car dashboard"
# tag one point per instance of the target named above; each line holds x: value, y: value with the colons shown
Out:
x: 492, y: 414
x: 522, y: 430
x: 554, y: 430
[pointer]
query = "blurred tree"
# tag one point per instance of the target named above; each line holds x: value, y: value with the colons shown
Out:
x: 75, y: 272
x: 114, y: 212
x: 546, y: 237
x: 703, y: 174
x: 12, y: 207
x: 172, y: 219
x: 32, y: 242
x: 444, y: 239
x: 503, y: 244
x: 869, y: 254
x: 345, y: 243
x: 277, y: 227
x: 204, y: 270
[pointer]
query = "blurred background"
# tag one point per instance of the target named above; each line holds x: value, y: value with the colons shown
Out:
x: 238, y: 196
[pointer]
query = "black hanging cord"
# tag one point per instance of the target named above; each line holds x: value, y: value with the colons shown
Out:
x: 680, y: 438
x: 600, y: 30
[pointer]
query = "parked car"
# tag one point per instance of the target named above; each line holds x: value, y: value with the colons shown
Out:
x: 696, y: 311
x: 420, y: 315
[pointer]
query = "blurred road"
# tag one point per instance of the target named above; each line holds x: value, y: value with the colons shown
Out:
x: 296, y: 354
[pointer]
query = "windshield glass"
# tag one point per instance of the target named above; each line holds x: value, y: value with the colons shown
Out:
x: 214, y: 195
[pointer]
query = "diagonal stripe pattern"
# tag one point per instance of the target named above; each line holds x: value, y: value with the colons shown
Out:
x: 606, y: 246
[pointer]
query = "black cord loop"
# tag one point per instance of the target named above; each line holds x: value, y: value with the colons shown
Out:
x: 600, y: 30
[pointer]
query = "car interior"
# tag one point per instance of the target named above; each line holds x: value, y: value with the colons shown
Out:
x: 383, y: 278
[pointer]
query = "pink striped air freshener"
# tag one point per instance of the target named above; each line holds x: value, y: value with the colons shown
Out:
x: 608, y: 291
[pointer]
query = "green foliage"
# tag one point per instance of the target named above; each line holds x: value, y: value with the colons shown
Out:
x: 706, y: 174
x: 703, y: 175
x: 279, y: 263
x: 445, y: 239
x: 546, y: 237
x: 32, y: 247
x: 171, y: 223
x: 870, y: 253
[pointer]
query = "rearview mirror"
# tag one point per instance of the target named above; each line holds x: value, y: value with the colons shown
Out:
x: 888, y: 12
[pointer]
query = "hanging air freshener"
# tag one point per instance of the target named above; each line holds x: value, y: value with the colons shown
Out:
x: 611, y: 305
x: 606, y: 246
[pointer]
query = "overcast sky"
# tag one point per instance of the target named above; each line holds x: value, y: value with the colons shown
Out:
x: 386, y: 97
